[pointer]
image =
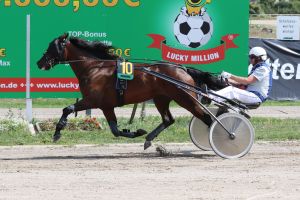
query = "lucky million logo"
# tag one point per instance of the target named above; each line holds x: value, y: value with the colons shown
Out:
x: 193, y: 28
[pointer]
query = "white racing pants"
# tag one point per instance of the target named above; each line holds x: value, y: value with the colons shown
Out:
x: 240, y: 95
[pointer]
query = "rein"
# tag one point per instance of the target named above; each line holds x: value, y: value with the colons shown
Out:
x: 63, y: 45
x: 74, y: 61
x: 104, y: 60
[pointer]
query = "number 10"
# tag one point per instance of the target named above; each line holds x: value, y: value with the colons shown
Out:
x: 127, y: 67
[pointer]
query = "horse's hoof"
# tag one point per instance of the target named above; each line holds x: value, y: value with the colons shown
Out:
x: 140, y: 132
x: 56, y: 137
x: 162, y: 151
x: 147, y: 144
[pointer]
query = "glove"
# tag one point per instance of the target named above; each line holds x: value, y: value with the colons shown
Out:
x: 226, y: 75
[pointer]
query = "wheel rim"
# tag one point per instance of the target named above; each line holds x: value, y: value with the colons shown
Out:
x: 199, y: 132
x: 231, y: 148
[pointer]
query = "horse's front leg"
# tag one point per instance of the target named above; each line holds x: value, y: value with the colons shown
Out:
x: 79, y: 106
x: 112, y: 122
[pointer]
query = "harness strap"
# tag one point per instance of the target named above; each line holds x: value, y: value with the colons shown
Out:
x: 121, y: 86
x: 263, y: 64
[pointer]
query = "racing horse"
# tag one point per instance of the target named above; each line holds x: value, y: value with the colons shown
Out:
x: 95, y: 68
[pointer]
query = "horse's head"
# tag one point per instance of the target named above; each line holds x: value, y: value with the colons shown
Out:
x: 54, y: 54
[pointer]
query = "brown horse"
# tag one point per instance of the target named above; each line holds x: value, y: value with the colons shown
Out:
x: 95, y: 70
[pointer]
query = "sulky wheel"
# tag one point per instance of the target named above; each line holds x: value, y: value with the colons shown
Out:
x: 199, y: 132
x: 227, y: 147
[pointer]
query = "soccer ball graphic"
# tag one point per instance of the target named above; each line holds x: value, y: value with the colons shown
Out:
x: 193, y: 31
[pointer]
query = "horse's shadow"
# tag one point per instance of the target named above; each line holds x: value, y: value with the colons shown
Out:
x: 181, y: 154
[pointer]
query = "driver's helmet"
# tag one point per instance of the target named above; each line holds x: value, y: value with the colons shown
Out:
x: 258, y: 52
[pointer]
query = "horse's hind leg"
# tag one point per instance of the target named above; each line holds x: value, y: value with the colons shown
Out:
x: 162, y: 105
x: 79, y: 106
x: 112, y: 121
x: 186, y: 101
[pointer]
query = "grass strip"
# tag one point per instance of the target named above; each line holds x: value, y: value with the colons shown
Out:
x: 63, y: 102
x: 268, y: 129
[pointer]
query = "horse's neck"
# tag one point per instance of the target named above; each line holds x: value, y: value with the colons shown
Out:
x: 79, y: 60
x: 84, y: 63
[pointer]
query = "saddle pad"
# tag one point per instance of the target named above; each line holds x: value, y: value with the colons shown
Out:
x: 125, y: 70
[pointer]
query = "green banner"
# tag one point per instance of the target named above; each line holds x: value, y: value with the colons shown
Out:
x: 208, y: 35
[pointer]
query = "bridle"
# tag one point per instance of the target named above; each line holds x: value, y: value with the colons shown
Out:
x: 49, y: 61
x: 53, y: 60
x: 60, y: 59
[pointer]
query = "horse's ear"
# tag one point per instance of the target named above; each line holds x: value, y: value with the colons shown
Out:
x: 64, y: 36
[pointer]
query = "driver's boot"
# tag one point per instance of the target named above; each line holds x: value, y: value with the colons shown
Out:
x: 222, y: 110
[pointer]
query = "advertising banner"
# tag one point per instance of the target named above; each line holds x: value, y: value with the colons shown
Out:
x: 288, y: 28
x: 285, y: 63
x: 205, y: 34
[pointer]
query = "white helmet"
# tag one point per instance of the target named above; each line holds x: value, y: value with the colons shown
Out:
x: 258, y: 52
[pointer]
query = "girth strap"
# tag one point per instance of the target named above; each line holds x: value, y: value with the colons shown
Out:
x: 121, y: 86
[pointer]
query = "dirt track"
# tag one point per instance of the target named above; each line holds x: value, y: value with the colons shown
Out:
x: 270, y: 171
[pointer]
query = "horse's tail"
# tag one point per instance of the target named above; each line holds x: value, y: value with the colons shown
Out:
x: 201, y: 77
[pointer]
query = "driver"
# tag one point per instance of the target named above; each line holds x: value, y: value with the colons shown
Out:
x: 258, y: 83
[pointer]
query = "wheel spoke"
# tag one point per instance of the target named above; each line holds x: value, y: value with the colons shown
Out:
x: 226, y: 147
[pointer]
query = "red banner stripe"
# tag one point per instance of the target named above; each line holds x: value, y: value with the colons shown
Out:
x: 39, y: 85
x: 193, y: 57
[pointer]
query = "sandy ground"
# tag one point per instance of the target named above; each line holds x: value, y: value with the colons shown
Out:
x: 264, y: 22
x: 270, y: 171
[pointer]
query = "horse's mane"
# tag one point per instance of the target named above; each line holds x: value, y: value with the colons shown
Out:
x: 96, y: 48
x: 208, y: 78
